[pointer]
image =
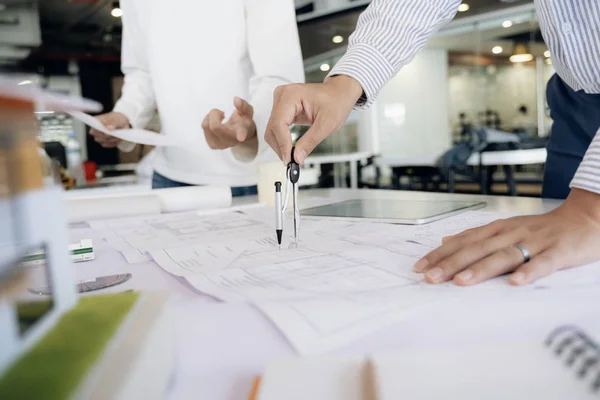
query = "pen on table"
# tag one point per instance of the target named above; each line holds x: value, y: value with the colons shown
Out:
x: 278, y: 212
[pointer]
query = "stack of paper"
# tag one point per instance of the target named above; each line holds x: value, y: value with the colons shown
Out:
x: 343, y: 280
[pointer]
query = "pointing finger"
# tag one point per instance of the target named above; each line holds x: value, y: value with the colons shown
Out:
x: 271, y: 141
x: 286, y: 106
x: 241, y: 134
x: 243, y: 107
x: 281, y: 140
x: 216, y: 126
x: 215, y: 117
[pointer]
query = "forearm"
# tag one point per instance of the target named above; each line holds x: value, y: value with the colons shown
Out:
x: 137, y: 99
x: 388, y: 35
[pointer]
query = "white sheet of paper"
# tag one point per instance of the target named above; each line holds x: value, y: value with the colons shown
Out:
x: 193, y: 260
x: 140, y: 136
x: 432, y: 234
x: 317, y: 378
x: 199, y: 235
x: 319, y: 326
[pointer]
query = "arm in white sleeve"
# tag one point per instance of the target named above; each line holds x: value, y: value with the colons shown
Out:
x: 388, y: 35
x: 587, y: 176
x: 137, y: 99
x: 274, y: 51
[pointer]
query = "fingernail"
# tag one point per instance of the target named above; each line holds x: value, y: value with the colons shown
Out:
x: 465, y: 276
x: 300, y: 156
x: 421, y: 265
x: 518, y: 278
x: 435, y: 274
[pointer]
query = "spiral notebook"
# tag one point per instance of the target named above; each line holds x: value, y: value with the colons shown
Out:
x: 564, y: 366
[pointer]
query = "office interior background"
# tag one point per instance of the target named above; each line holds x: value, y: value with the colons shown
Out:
x: 481, y: 77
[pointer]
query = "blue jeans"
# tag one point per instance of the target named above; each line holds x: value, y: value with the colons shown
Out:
x: 162, y: 182
x: 576, y: 118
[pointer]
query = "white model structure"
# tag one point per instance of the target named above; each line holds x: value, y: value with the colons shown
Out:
x: 32, y: 214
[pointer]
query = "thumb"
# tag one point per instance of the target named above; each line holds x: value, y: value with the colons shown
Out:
x: 110, y: 127
x: 243, y: 106
x: 311, y: 139
x: 240, y: 134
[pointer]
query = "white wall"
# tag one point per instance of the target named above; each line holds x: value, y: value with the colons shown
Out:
x: 499, y: 88
x: 412, y: 110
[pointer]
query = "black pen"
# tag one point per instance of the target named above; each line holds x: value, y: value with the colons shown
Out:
x: 278, y: 212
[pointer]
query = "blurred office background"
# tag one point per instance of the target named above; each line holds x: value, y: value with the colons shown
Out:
x: 483, y: 73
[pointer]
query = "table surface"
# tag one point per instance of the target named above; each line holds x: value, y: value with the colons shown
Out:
x: 222, y: 347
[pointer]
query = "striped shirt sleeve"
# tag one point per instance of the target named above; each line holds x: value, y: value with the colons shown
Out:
x: 587, y: 176
x: 388, y: 35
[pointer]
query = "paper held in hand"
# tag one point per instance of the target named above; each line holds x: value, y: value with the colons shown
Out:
x: 140, y: 136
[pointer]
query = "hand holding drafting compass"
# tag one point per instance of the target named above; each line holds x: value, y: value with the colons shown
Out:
x: 292, y: 175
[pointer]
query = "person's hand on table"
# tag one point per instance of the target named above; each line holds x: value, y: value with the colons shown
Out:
x: 324, y: 106
x: 568, y: 236
x: 237, y: 130
x: 112, y: 121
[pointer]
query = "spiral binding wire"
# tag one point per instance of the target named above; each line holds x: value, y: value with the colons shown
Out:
x: 573, y: 346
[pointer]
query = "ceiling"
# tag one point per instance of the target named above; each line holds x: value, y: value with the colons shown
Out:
x: 316, y: 34
x: 76, y: 29
x: 80, y: 26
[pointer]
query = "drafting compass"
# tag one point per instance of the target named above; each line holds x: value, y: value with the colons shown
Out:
x: 293, y: 175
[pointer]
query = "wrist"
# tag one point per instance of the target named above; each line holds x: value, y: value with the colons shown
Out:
x: 125, y: 113
x: 585, y: 202
x: 346, y: 87
x: 123, y: 119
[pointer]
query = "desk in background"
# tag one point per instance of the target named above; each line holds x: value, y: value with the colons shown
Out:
x: 353, y: 159
x: 487, y: 161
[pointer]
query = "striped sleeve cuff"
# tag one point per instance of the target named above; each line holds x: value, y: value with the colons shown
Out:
x: 368, y: 67
x: 587, y: 176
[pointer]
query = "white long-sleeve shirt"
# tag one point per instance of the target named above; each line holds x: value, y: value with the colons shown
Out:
x: 390, y: 32
x: 187, y: 57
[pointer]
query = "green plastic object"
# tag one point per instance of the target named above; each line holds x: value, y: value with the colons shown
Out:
x: 55, y: 366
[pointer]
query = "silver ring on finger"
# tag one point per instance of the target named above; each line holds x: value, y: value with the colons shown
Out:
x: 524, y: 251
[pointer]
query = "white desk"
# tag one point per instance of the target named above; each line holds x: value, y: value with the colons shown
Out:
x: 221, y: 347
x: 342, y: 158
x: 488, y: 158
